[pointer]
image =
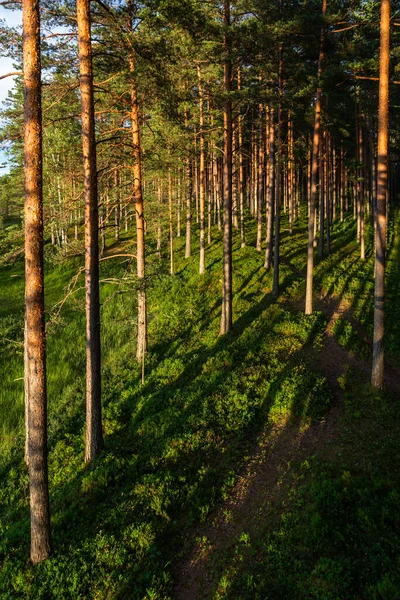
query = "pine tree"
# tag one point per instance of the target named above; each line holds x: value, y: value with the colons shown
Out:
x: 35, y: 338
x: 94, y: 433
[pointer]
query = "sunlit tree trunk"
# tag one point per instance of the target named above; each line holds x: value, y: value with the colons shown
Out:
x: 138, y: 202
x: 270, y: 191
x: 94, y: 434
x: 260, y: 174
x: 171, y: 225
x: 290, y: 173
x: 241, y: 172
x: 382, y: 182
x: 202, y: 175
x: 278, y: 181
x: 322, y: 198
x: 314, y: 176
x: 35, y: 338
x: 226, y: 318
x: 361, y: 184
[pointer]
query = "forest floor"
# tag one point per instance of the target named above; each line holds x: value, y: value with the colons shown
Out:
x: 263, y: 486
x: 258, y: 465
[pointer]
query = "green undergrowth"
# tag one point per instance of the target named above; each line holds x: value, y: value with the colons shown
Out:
x: 337, y: 533
x: 175, y: 446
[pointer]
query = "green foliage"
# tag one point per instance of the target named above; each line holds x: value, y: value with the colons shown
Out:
x: 175, y: 446
x: 302, y: 393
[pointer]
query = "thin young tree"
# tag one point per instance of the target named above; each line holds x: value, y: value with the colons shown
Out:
x: 94, y: 433
x: 382, y: 185
x: 35, y: 337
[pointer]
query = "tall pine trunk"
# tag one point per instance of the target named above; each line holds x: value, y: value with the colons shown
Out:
x: 314, y: 176
x: 94, y: 434
x: 202, y: 175
x: 226, y: 318
x: 278, y: 181
x: 35, y: 337
x: 139, y: 213
x: 382, y: 184
x: 270, y: 191
x: 171, y: 225
x: 241, y: 171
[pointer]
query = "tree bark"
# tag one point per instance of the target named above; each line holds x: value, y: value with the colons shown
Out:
x: 314, y: 175
x: 35, y: 337
x: 202, y: 175
x: 361, y: 185
x: 382, y: 183
x: 139, y: 212
x: 189, y: 191
x: 94, y: 434
x: 260, y: 174
x: 226, y: 319
x: 278, y: 181
x: 322, y: 198
x: 270, y: 200
x: 171, y: 225
x: 241, y: 171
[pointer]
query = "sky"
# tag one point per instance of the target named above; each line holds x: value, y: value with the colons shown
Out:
x: 12, y: 18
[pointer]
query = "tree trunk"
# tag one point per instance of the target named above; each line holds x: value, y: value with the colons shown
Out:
x: 35, y: 336
x: 139, y: 213
x: 189, y: 191
x: 321, y: 200
x: 226, y: 319
x: 361, y: 186
x: 202, y: 175
x: 94, y: 434
x: 241, y: 171
x: 290, y: 173
x: 171, y: 225
x: 270, y: 201
x: 314, y: 175
x: 382, y: 182
x: 278, y: 182
x: 260, y: 174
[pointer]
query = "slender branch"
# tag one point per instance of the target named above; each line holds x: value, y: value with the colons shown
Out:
x: 11, y: 74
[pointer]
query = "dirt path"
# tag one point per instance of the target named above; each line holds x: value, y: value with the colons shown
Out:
x: 260, y: 489
x: 334, y: 355
x: 254, y: 499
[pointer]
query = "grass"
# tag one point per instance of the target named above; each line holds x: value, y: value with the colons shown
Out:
x: 174, y: 448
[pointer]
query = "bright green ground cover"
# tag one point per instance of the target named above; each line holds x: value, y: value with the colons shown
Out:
x: 175, y: 446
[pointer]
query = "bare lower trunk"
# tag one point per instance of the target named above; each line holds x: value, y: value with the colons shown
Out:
x: 275, y: 285
x: 189, y: 191
x: 140, y: 223
x: 260, y: 174
x: 241, y: 172
x: 270, y: 200
x: 171, y: 225
x: 290, y: 174
x: 202, y: 176
x: 94, y: 434
x: 361, y: 187
x: 321, y: 202
x: 382, y: 182
x: 241, y: 183
x: 314, y: 175
x: 35, y: 337
x: 342, y: 185
x: 226, y: 319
